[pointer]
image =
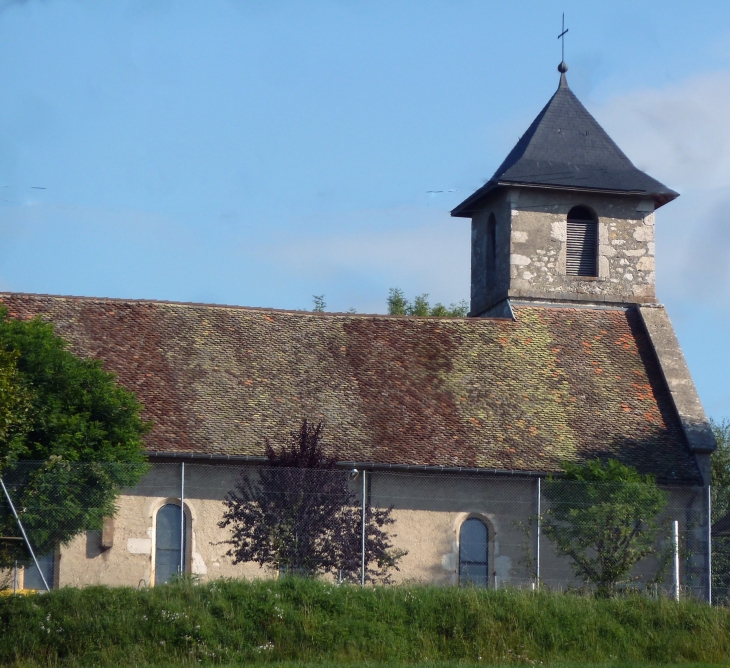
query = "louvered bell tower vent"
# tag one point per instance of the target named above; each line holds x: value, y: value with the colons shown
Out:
x: 582, y: 247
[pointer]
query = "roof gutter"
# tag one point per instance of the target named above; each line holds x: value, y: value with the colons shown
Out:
x: 373, y: 466
x: 196, y: 456
x: 369, y: 466
x: 416, y: 468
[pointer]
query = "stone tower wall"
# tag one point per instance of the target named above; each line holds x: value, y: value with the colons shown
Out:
x: 531, y: 249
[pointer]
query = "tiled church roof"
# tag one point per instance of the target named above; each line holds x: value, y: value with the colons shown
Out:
x: 565, y: 147
x: 556, y: 384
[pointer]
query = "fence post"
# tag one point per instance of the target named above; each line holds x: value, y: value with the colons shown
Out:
x: 182, y: 518
x: 364, y: 501
x: 675, y: 549
x: 709, y: 545
x: 25, y: 537
x: 537, y: 537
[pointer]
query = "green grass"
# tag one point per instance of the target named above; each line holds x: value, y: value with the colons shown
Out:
x: 302, y: 622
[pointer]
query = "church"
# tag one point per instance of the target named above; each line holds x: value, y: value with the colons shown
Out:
x: 565, y: 356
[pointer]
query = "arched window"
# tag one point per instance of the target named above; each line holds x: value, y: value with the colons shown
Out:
x: 474, y: 553
x: 582, y: 248
x: 168, y: 543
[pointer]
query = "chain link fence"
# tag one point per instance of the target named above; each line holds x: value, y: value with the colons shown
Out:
x: 721, y: 545
x: 88, y: 524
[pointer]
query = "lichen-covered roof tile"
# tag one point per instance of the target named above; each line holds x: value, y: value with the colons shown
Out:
x: 554, y: 385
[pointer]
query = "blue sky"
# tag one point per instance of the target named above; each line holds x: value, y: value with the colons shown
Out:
x: 260, y: 152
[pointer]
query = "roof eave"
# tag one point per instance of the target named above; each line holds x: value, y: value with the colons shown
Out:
x: 470, y: 205
x: 465, y: 209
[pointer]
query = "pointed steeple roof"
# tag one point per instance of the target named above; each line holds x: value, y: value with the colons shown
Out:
x: 565, y: 148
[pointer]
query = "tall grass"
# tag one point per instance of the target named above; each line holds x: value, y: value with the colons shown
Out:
x: 301, y: 620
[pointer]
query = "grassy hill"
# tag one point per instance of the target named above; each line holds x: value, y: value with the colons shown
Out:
x: 298, y: 620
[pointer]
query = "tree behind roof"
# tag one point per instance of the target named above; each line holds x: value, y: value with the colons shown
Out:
x: 399, y: 305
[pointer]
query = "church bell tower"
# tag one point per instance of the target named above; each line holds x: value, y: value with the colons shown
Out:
x: 566, y: 218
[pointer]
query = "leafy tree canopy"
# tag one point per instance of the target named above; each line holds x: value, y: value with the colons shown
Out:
x: 399, y: 305
x: 720, y: 481
x: 720, y: 461
x: 319, y: 303
x: 14, y: 404
x: 611, y: 470
x: 70, y: 436
x: 299, y: 515
x: 603, y: 517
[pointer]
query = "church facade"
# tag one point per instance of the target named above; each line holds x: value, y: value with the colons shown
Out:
x: 566, y: 356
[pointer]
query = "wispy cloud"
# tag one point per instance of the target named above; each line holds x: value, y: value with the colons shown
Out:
x: 7, y: 4
x: 416, y: 249
x: 681, y: 135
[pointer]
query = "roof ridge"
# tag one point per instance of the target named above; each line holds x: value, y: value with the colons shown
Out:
x: 236, y: 307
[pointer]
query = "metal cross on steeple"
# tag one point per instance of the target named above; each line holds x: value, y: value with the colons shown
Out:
x: 561, y: 36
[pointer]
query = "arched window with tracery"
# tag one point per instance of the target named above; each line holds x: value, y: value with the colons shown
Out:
x: 168, y: 544
x: 474, y: 553
x: 581, y: 257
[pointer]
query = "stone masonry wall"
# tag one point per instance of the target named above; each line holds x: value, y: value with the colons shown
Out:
x: 538, y: 247
x: 428, y: 509
x: 489, y: 285
x: 531, y: 249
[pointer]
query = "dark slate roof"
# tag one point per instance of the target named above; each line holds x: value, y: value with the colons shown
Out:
x: 565, y: 147
x: 556, y: 384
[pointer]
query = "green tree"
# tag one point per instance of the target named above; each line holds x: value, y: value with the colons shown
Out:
x: 603, y: 517
x: 319, y: 303
x: 70, y: 438
x: 720, y: 481
x: 720, y: 460
x: 14, y: 402
x: 399, y: 305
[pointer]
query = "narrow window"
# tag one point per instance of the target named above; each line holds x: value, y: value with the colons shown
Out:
x: 167, y: 543
x: 32, y: 576
x: 473, y: 553
x: 582, y: 247
x: 491, y: 246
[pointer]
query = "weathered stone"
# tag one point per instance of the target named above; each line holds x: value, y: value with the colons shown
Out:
x: 532, y: 225
x: 644, y: 233
x: 558, y: 231
x: 645, y: 263
x: 676, y: 373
